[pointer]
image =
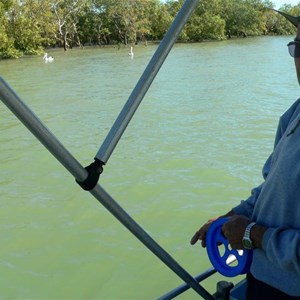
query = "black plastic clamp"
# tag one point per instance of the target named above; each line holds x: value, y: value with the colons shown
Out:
x: 94, y: 170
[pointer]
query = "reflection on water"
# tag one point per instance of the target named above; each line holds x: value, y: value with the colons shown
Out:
x: 194, y: 149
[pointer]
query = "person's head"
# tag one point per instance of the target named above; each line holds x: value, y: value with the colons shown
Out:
x: 294, y: 50
x: 294, y: 46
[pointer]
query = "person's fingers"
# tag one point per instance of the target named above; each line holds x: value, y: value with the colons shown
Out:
x: 201, y: 233
x: 195, y: 238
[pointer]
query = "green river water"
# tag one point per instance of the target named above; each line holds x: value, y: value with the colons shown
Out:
x: 193, y: 150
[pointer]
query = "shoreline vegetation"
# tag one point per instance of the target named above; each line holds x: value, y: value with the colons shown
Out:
x: 29, y: 27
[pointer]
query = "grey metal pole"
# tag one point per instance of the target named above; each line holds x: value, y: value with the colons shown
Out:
x: 145, y: 81
x: 184, y: 287
x: 38, y: 129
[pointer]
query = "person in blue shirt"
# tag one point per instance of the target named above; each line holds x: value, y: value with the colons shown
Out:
x: 269, y: 220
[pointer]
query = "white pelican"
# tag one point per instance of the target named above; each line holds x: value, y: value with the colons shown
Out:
x: 131, y: 52
x: 47, y: 58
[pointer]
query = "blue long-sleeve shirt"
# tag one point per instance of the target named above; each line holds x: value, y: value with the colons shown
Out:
x: 276, y: 205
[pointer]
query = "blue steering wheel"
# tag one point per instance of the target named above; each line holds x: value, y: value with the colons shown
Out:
x: 222, y: 260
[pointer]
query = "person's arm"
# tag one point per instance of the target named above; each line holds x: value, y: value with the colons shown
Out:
x: 235, y: 228
x: 257, y: 235
x: 282, y: 246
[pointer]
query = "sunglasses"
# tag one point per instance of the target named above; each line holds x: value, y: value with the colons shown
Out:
x: 294, y: 49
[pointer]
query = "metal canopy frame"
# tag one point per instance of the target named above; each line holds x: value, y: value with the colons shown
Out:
x: 45, y: 136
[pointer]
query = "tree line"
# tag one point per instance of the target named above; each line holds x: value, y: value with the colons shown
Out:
x: 28, y: 27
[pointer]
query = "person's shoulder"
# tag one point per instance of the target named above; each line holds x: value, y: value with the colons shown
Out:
x: 296, y: 103
x: 292, y: 111
x: 286, y: 118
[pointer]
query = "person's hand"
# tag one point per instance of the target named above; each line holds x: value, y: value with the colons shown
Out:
x: 201, y: 233
x: 234, y: 230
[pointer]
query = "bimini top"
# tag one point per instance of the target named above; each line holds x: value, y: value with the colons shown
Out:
x: 294, y: 20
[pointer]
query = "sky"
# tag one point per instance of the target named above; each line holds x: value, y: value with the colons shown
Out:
x: 279, y: 3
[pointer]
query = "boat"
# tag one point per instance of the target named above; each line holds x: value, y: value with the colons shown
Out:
x: 88, y: 177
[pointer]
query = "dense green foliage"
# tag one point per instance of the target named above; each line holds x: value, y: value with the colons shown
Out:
x: 30, y: 26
